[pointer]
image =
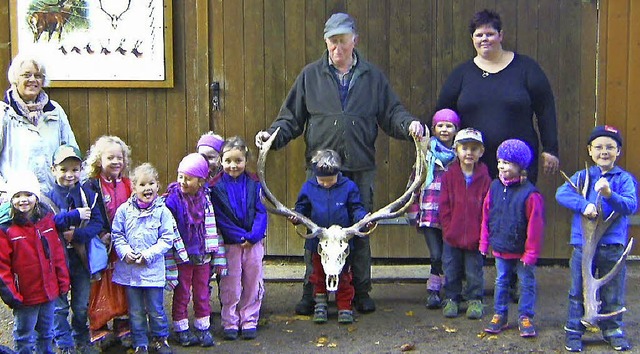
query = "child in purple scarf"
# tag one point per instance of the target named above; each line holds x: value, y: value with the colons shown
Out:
x: 189, y: 203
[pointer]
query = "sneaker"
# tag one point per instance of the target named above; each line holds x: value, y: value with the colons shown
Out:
x: 320, y: 313
x: 475, y: 310
x: 620, y: 344
x: 67, y: 350
x: 364, y: 304
x: 205, y: 338
x: 433, y: 300
x: 526, y: 327
x: 186, y: 338
x: 498, y: 324
x: 230, y: 334
x: 141, y: 350
x: 345, y: 316
x: 450, y: 309
x: 573, y: 343
x: 249, y: 333
x: 305, y: 306
x: 161, y: 346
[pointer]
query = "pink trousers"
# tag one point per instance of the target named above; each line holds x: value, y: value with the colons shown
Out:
x: 241, y: 291
x: 194, y: 277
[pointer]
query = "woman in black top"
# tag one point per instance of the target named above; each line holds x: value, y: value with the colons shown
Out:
x: 498, y: 92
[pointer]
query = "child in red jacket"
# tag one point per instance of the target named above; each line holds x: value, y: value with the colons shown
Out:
x: 33, y: 269
x: 463, y: 189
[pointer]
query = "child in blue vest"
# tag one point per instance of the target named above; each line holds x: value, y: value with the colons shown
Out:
x: 617, y: 190
x: 79, y: 222
x: 513, y: 225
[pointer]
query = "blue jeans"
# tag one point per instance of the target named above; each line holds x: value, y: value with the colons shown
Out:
x: 433, y: 237
x: 505, y: 270
x: 611, y: 294
x: 460, y: 264
x: 80, y: 287
x: 33, y: 328
x: 143, y: 302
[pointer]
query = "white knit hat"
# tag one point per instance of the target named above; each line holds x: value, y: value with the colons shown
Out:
x: 25, y: 181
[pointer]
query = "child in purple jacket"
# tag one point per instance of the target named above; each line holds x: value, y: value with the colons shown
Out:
x: 189, y: 202
x: 242, y: 222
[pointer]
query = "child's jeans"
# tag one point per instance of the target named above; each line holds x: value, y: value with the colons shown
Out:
x: 80, y: 287
x: 611, y: 294
x: 145, y: 301
x: 462, y: 264
x: 433, y: 237
x: 345, y: 292
x: 196, y: 277
x: 33, y: 328
x: 505, y: 269
x: 241, y: 291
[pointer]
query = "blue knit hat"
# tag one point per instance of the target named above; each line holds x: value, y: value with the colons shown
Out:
x: 515, y: 151
x: 606, y: 130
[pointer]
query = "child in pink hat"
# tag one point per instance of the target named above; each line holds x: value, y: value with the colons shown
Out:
x: 439, y: 154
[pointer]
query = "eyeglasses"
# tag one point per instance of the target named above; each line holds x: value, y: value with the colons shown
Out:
x: 36, y: 76
x: 608, y: 148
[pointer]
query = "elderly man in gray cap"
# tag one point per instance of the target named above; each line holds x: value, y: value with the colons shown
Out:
x: 338, y: 102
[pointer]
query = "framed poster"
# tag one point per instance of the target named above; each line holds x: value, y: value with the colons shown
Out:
x: 97, y: 43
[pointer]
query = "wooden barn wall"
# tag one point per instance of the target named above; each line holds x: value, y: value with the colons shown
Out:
x: 256, y: 48
x: 619, y: 79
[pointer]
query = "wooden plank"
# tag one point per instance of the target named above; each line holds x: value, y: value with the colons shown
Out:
x: 420, y: 102
x: 156, y: 147
x: 632, y: 125
x: 5, y: 42
x: 359, y: 10
x: 117, y: 113
x: 254, y: 68
x: 137, y: 123
x: 202, y: 109
x: 275, y: 90
x: 97, y: 107
x: 234, y: 67
x: 508, y: 11
x: 216, y: 45
x: 78, y: 112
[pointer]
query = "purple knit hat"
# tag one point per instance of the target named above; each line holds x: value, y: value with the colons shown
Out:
x: 446, y: 115
x: 515, y: 151
x: 194, y: 165
x: 211, y: 141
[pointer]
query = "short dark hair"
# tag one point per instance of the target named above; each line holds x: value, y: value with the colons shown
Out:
x: 483, y: 18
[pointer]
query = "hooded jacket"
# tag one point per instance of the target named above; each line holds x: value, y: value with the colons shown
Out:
x: 33, y: 269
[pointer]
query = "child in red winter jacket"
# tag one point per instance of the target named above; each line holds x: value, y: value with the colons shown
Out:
x: 33, y: 269
x: 463, y: 189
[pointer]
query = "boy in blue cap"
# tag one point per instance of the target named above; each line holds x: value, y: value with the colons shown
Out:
x: 618, y: 191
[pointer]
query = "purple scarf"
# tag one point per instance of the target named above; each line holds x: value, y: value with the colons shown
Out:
x: 32, y: 111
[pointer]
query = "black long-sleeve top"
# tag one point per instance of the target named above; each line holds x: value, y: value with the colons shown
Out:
x: 502, y: 106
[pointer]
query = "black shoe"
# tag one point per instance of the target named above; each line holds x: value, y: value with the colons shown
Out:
x: 230, y: 334
x: 306, y: 306
x: 249, y: 333
x: 364, y: 304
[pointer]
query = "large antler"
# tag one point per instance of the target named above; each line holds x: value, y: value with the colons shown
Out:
x: 397, y: 207
x: 279, y: 208
x: 592, y: 231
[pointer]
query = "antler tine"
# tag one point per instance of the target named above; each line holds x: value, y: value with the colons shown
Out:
x: 398, y: 206
x: 279, y: 208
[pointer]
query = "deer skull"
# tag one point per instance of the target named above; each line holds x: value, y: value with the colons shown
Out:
x: 333, y: 247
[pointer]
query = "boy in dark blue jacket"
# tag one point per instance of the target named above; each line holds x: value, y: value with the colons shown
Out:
x: 79, y: 221
x: 329, y: 198
x: 618, y: 190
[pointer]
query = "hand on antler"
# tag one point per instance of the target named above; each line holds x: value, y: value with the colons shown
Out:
x: 294, y: 220
x: 590, y: 211
x: 602, y: 186
x: 416, y: 129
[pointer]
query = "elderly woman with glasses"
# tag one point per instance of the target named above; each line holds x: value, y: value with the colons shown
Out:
x: 33, y: 125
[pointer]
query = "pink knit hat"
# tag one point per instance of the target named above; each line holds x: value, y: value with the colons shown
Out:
x: 211, y: 141
x: 194, y: 165
x: 446, y: 115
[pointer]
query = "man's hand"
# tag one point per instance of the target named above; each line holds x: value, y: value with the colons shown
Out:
x: 416, y: 129
x: 246, y: 244
x: 550, y: 163
x: 292, y: 219
x: 261, y: 137
x: 85, y: 213
x: 68, y: 235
